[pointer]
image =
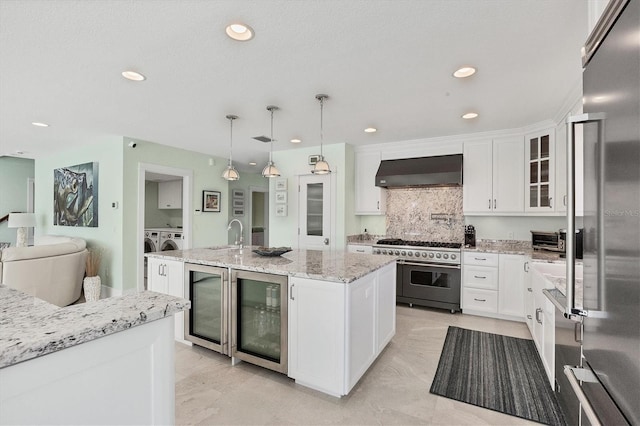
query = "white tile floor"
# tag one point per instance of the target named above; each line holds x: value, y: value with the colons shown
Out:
x: 395, y: 390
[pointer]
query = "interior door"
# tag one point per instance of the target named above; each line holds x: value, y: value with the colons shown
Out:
x: 314, y: 212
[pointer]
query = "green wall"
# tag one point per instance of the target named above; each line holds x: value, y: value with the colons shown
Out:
x: 14, y: 173
x: 155, y: 217
x: 108, y: 235
x: 283, y: 231
x: 208, y: 229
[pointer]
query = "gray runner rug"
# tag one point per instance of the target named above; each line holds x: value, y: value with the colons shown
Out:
x: 497, y: 372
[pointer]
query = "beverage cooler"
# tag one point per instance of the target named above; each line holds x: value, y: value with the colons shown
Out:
x: 259, y: 319
x: 207, y: 324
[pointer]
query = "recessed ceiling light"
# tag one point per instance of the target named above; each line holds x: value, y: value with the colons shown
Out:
x: 370, y: 130
x: 464, y: 72
x: 252, y: 163
x: 133, y: 76
x: 37, y: 124
x: 470, y: 115
x: 239, y: 32
x: 296, y: 140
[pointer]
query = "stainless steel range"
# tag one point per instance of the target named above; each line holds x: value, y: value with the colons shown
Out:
x: 428, y: 272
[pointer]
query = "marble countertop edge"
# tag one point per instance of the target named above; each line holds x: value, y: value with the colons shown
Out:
x: 48, y: 328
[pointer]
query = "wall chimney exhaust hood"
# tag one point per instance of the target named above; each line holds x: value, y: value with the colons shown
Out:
x: 442, y: 170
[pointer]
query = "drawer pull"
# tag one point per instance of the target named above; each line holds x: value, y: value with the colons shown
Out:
x: 479, y: 300
x: 480, y: 258
x: 479, y: 277
x: 538, y: 312
x: 529, y: 290
x: 529, y: 317
x: 360, y: 250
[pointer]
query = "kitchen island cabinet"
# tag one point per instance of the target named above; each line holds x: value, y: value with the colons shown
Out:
x: 87, y: 363
x: 167, y: 277
x: 340, y: 308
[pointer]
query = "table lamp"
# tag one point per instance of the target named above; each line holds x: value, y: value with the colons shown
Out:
x: 22, y: 221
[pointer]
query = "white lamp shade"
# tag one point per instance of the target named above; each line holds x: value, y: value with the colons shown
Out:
x: 321, y: 167
x: 270, y: 170
x: 230, y: 173
x: 22, y: 220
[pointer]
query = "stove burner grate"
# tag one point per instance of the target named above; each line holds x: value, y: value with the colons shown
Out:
x: 399, y: 242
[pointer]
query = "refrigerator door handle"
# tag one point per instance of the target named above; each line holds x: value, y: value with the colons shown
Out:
x: 585, y: 376
x: 599, y: 118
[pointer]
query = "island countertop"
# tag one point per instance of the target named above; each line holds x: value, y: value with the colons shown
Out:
x: 31, y: 327
x: 335, y: 266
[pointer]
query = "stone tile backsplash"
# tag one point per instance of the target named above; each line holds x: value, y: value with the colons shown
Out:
x: 425, y: 214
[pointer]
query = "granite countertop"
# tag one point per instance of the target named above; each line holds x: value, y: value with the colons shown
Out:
x: 31, y: 327
x: 335, y: 266
x: 516, y: 247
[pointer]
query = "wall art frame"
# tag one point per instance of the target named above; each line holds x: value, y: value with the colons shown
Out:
x: 211, y: 201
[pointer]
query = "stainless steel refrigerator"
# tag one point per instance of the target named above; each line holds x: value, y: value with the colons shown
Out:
x: 608, y: 384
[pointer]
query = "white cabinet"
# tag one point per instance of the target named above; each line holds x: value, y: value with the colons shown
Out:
x: 529, y: 306
x: 511, y: 285
x: 358, y: 248
x: 543, y: 322
x: 370, y: 199
x: 480, y: 283
x: 167, y: 276
x: 493, y: 176
x: 540, y: 171
x: 170, y: 194
x: 337, y: 330
x: 493, y: 285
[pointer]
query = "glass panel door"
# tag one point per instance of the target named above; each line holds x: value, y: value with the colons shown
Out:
x: 314, y: 212
x: 539, y: 171
x: 207, y: 319
x: 259, y: 319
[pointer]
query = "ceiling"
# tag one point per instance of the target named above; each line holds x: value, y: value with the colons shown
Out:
x: 384, y: 63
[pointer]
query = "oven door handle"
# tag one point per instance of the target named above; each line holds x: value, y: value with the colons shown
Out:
x: 429, y: 265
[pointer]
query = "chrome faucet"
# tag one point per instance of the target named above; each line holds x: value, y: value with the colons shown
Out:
x: 238, y: 242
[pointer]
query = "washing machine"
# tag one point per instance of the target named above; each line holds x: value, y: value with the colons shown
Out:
x: 151, y: 241
x: 170, y: 241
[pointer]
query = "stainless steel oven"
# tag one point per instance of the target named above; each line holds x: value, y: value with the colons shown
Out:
x: 428, y: 272
x: 429, y: 284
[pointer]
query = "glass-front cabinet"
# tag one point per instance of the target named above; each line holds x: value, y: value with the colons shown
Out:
x: 540, y: 171
x: 259, y: 319
x: 206, y: 324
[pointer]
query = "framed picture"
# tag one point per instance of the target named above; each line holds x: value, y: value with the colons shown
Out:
x: 281, y: 210
x: 75, y: 195
x: 281, y: 197
x: 281, y: 184
x: 238, y: 212
x: 238, y: 203
x: 211, y: 201
x: 238, y: 193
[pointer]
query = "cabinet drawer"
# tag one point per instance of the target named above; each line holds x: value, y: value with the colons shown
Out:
x: 481, y: 277
x: 357, y: 248
x: 481, y: 259
x: 480, y: 300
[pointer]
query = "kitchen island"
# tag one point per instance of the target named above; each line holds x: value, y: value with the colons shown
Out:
x: 109, y: 361
x: 336, y: 310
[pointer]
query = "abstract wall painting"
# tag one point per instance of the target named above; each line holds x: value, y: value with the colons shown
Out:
x: 75, y: 195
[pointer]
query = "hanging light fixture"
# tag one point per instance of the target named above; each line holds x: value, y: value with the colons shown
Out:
x: 230, y: 173
x: 270, y: 170
x: 321, y: 167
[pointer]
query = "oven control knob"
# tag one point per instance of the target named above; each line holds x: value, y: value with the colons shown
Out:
x: 410, y: 253
x: 404, y: 253
x: 431, y: 255
x: 445, y: 256
x: 397, y: 252
x: 453, y: 257
x: 381, y: 251
x: 424, y: 254
x: 438, y: 255
x: 417, y: 254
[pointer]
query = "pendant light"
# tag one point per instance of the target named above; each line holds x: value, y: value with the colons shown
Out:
x: 321, y: 167
x: 270, y: 170
x: 230, y: 173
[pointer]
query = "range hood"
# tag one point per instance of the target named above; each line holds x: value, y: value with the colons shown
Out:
x: 442, y: 170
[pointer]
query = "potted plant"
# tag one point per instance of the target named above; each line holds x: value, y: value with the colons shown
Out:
x: 92, y: 283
